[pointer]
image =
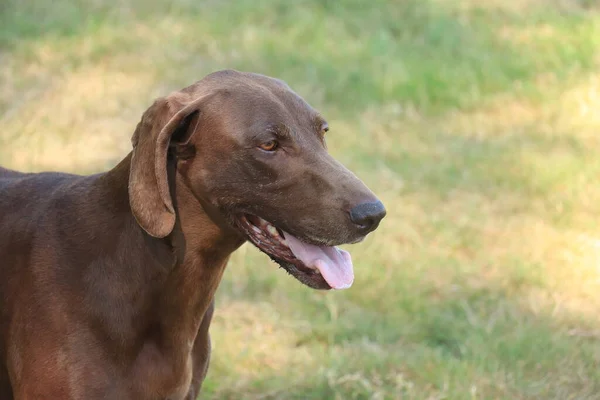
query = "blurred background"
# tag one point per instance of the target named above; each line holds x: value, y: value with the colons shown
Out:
x: 476, y: 122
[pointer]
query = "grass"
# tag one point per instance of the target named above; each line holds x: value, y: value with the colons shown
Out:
x: 476, y: 122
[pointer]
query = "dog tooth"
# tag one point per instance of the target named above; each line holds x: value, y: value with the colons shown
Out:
x: 272, y: 230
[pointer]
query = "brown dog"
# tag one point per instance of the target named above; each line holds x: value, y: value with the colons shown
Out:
x: 107, y: 281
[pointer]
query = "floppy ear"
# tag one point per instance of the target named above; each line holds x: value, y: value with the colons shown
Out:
x: 149, y: 194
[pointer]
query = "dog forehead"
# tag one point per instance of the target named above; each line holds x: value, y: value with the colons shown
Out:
x: 253, y: 90
x: 243, y: 99
x: 228, y: 77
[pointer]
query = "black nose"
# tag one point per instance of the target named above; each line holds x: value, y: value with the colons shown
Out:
x: 367, y: 215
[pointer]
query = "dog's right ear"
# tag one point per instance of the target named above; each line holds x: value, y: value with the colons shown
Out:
x: 147, y: 206
x: 149, y: 193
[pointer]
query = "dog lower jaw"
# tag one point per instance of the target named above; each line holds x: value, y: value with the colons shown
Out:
x: 271, y: 241
x: 310, y: 278
x: 318, y: 266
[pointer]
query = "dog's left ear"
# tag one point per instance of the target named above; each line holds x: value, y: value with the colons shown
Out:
x: 149, y: 194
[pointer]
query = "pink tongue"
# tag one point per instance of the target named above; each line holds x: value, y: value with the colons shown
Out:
x: 335, y: 265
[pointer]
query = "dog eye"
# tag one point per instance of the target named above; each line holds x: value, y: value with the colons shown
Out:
x: 271, y: 145
x: 325, y: 129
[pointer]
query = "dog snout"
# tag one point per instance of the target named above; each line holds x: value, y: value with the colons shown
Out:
x: 366, y: 216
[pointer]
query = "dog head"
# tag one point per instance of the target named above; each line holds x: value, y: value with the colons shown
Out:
x: 249, y: 147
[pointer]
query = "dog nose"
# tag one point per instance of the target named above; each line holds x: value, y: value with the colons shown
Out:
x: 368, y: 215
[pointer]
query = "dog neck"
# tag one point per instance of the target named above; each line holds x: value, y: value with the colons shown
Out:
x: 202, y: 248
x: 194, y: 254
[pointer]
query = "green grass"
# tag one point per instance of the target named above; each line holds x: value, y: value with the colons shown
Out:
x: 477, y: 124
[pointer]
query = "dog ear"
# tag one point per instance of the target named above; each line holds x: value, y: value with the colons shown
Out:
x: 149, y: 193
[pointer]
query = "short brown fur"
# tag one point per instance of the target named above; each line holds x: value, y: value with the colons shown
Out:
x: 107, y: 281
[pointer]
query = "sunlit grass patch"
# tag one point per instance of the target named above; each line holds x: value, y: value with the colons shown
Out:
x: 54, y: 129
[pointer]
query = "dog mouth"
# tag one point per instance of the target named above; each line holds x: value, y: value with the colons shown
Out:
x: 316, y: 265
